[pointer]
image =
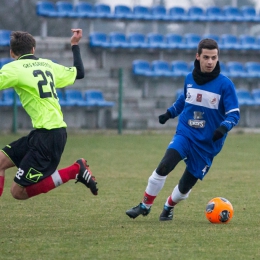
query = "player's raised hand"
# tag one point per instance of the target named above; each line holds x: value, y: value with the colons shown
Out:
x: 75, y: 38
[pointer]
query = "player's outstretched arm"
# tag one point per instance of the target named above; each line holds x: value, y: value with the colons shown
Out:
x: 75, y: 38
x: 77, y: 61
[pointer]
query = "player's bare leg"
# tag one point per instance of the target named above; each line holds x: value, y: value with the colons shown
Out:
x: 5, y: 163
x: 18, y: 192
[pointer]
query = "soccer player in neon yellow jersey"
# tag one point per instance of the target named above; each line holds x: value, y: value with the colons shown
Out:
x: 38, y: 154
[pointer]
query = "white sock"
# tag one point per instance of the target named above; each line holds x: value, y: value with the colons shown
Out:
x: 177, y: 196
x: 155, y: 184
x: 56, y: 179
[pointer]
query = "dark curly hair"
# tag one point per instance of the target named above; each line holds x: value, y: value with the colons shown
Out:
x: 21, y: 43
x: 209, y: 44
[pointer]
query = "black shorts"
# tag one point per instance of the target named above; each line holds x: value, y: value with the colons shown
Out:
x: 37, y: 155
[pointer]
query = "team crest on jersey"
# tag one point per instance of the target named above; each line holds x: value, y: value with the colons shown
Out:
x: 198, y: 115
x: 188, y: 96
x: 199, y: 98
x: 69, y: 69
x: 213, y: 101
x: 198, y: 121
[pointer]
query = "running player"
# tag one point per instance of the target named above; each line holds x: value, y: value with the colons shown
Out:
x: 38, y: 154
x: 208, y: 110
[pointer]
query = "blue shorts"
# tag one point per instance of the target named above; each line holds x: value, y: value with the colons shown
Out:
x: 198, y: 162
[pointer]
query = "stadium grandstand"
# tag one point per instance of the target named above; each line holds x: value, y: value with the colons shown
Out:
x: 152, y: 43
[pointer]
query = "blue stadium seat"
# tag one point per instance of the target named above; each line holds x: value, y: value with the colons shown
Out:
x: 177, y: 13
x: 191, y: 66
x: 196, y: 13
x: 46, y: 9
x: 179, y: 68
x: 66, y: 9
x: 214, y: 14
x: 257, y: 41
x: 232, y: 14
x: 141, y: 68
x: 223, y: 68
x: 178, y: 93
x: 96, y: 98
x: 174, y: 41
x: 117, y: 40
x: 85, y: 10
x: 141, y: 13
x: 5, y: 37
x: 236, y: 69
x: 137, y: 40
x: 248, y: 42
x: 229, y: 42
x: 249, y: 14
x: 156, y: 41
x: 161, y: 68
x: 74, y: 98
x: 4, y: 61
x: 191, y: 40
x: 211, y: 36
x: 61, y: 97
x: 103, y: 11
x: 98, y: 39
x: 8, y: 98
x: 256, y: 95
x: 158, y: 12
x: 245, y: 98
x: 123, y: 12
x: 252, y: 69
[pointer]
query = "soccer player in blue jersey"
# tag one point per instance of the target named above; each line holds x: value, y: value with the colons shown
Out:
x: 38, y: 154
x: 208, y: 109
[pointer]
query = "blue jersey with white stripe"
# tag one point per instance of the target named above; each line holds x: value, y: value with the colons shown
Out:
x: 203, y: 108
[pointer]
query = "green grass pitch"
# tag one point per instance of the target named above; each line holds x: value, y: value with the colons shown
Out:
x: 70, y: 223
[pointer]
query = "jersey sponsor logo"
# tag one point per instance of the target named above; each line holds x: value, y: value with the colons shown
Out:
x: 199, y: 97
x: 19, y: 174
x: 33, y: 175
x: 198, y: 121
x: 203, y: 98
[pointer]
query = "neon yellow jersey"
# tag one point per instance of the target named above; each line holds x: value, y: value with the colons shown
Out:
x: 35, y: 81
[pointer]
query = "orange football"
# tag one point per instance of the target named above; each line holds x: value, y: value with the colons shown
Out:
x: 219, y: 210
